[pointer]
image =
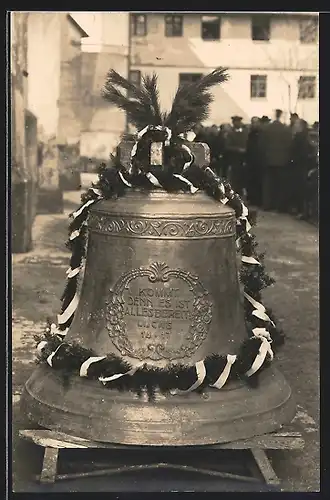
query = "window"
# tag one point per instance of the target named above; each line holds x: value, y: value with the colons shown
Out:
x: 135, y: 78
x: 173, y: 25
x: 308, y: 30
x: 210, y: 27
x: 139, y: 24
x: 189, y: 77
x: 306, y: 87
x: 258, y: 86
x: 261, y: 27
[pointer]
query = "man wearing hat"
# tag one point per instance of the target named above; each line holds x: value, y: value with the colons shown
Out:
x: 294, y: 117
x: 265, y: 120
x: 236, y: 153
x: 275, y: 144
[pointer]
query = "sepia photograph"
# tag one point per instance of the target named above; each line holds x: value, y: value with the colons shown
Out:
x: 163, y: 176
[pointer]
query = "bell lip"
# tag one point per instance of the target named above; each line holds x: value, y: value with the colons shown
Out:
x: 181, y: 421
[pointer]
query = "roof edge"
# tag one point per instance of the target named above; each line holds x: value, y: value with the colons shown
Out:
x: 77, y: 25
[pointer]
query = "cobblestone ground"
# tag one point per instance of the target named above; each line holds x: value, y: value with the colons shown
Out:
x: 292, y: 258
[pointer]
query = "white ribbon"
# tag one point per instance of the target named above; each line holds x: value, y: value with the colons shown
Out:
x: 262, y: 333
x: 86, y: 364
x: 82, y: 208
x: 153, y: 179
x: 188, y: 136
x: 124, y: 180
x: 63, y: 318
x: 74, y: 234
x: 72, y: 272
x: 141, y: 133
x: 220, y: 382
x: 264, y: 349
x: 156, y: 127
x: 245, y: 211
x: 53, y: 329
x: 261, y: 315
x: 50, y: 357
x: 244, y: 216
x: 247, y: 224
x: 259, y: 309
x: 188, y: 163
x: 98, y: 192
x: 104, y: 380
x: 254, y: 302
x: 62, y: 333
x: 193, y: 189
x: 41, y: 346
x: 210, y: 169
x: 250, y: 260
x: 169, y: 136
x: 224, y: 200
x: 134, y: 149
x: 201, y: 374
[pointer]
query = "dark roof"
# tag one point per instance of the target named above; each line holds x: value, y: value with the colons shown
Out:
x: 82, y: 32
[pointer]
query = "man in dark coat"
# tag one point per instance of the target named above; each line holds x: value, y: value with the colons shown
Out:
x: 303, y: 160
x: 214, y: 142
x: 236, y: 152
x: 200, y: 133
x: 225, y: 129
x: 264, y: 120
x: 294, y: 117
x: 275, y: 142
x: 210, y: 136
x: 254, y: 166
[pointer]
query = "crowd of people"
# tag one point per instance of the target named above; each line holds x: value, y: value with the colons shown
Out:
x: 273, y: 166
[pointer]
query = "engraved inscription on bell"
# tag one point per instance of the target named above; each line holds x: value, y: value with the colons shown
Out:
x: 158, y: 313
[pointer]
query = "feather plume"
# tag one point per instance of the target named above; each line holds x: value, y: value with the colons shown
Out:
x: 135, y: 112
x: 151, y: 89
x: 192, y: 101
x: 142, y: 107
x: 219, y: 75
x: 190, y: 106
x: 114, y: 78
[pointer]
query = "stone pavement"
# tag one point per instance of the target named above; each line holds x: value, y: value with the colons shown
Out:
x: 291, y: 257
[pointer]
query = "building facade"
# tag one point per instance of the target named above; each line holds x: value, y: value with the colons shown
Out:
x: 107, y: 47
x: 54, y: 97
x: 23, y: 171
x: 272, y: 59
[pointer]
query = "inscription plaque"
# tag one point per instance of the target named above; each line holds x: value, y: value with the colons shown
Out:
x: 158, y: 313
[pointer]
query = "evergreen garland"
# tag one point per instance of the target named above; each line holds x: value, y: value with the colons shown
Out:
x: 190, y: 106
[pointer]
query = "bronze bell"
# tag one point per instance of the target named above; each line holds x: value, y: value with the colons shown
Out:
x: 150, y: 260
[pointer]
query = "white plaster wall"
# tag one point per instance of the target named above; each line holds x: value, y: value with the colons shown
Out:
x: 235, y: 48
x: 99, y: 144
x: 44, y: 35
x: 106, y: 30
x: 283, y: 59
x: 233, y: 97
x: 115, y: 29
